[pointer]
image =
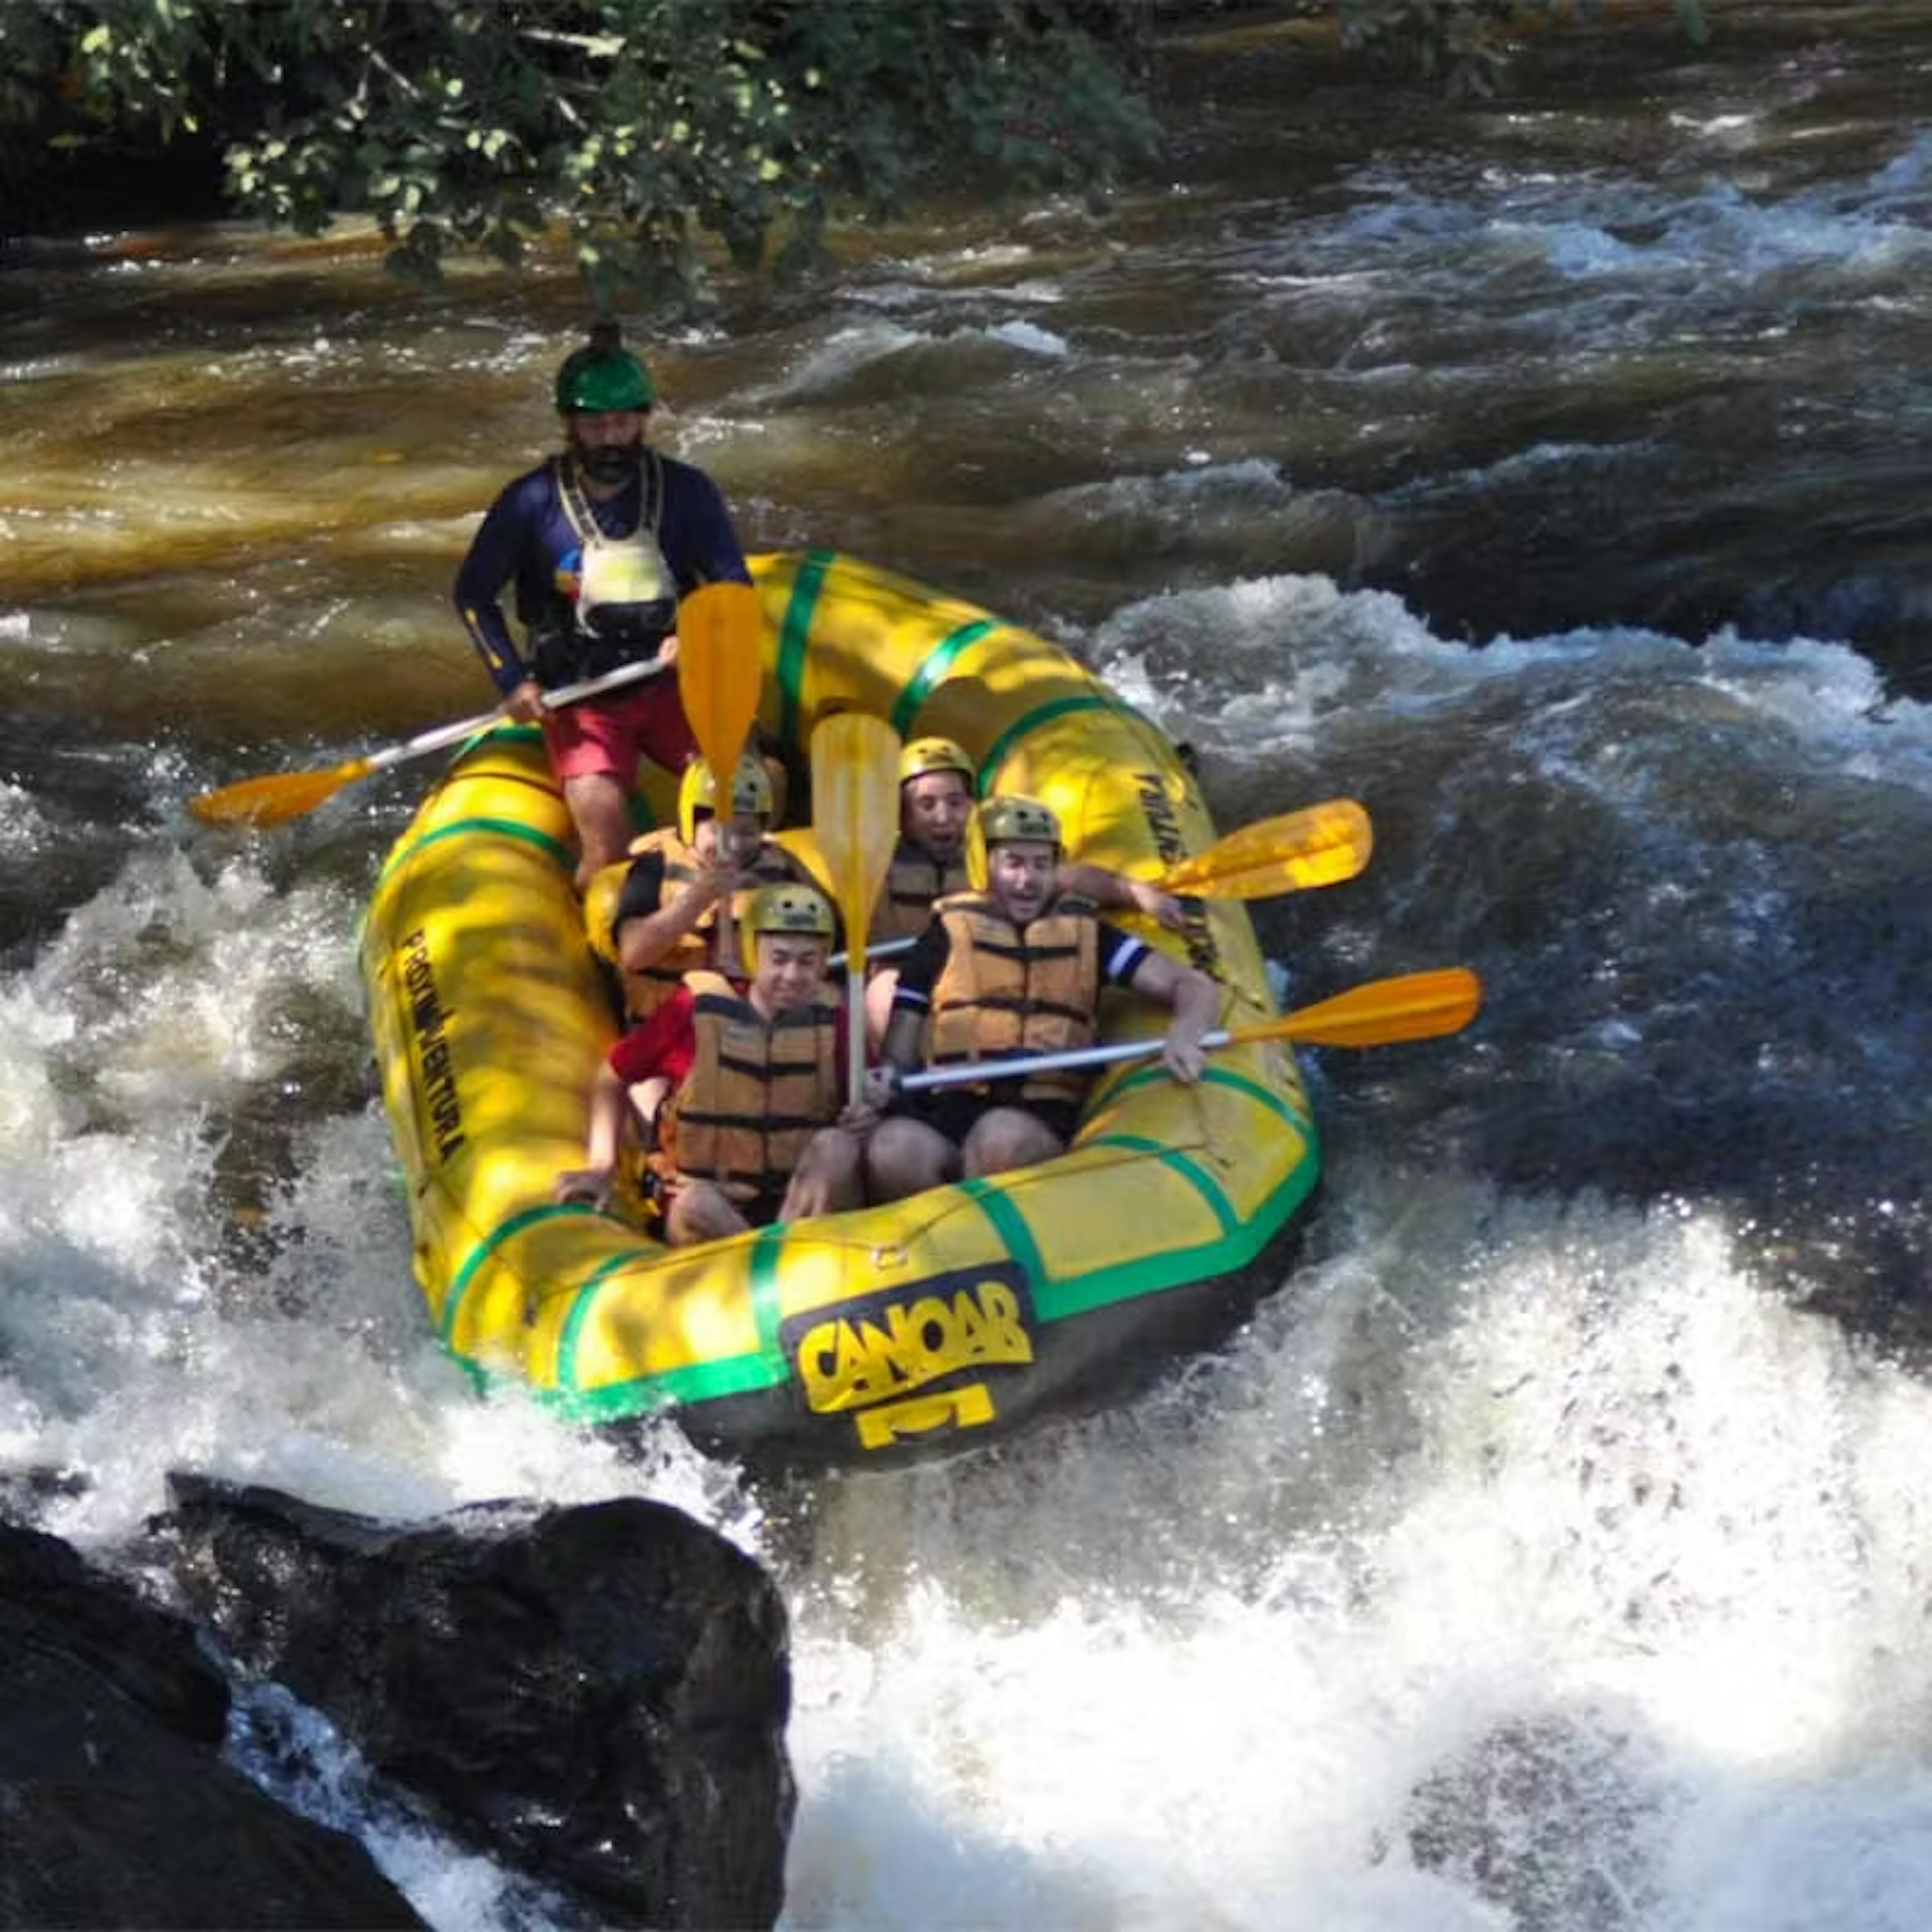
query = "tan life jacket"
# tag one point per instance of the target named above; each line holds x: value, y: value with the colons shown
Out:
x: 914, y: 884
x: 1008, y: 990
x: 757, y: 1092
x: 648, y: 987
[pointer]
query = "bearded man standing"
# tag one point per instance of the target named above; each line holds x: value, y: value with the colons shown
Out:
x: 600, y: 542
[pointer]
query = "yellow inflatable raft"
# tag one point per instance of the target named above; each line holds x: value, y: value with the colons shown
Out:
x: 865, y: 1337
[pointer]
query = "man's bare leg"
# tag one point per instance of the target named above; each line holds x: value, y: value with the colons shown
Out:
x: 830, y: 1177
x: 600, y: 810
x: 1007, y: 1137
x: 906, y: 1156
x: 699, y: 1212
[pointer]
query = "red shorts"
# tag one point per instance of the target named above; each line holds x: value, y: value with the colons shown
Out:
x: 606, y: 737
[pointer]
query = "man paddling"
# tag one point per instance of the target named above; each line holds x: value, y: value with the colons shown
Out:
x: 657, y: 918
x: 600, y: 542
x: 1014, y: 966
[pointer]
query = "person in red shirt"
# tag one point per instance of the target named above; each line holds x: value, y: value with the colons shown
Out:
x: 757, y: 1127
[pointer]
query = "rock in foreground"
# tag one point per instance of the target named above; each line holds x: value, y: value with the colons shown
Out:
x: 597, y: 1696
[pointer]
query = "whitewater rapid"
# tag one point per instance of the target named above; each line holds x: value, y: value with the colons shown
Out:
x: 1548, y: 1554
x: 1551, y: 1512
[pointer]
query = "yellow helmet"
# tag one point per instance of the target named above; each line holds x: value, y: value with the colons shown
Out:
x: 1009, y: 820
x: 697, y: 791
x: 802, y: 911
x: 935, y: 755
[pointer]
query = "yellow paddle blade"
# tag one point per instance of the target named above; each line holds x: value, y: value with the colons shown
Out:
x: 1319, y: 845
x: 278, y: 797
x: 720, y: 670
x: 1415, y: 1005
x: 855, y: 810
x: 1292, y: 872
x: 855, y: 816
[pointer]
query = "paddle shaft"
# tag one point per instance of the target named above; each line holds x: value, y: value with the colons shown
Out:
x: 274, y: 798
x: 970, y: 1070
x: 1413, y: 1005
x: 424, y: 742
x: 887, y: 949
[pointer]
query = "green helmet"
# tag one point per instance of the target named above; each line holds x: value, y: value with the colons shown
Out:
x: 603, y: 375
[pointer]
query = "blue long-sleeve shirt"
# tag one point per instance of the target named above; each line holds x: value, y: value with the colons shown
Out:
x: 527, y: 537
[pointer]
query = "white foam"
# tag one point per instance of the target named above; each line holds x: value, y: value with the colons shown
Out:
x: 148, y: 1331
x: 835, y: 358
x: 1576, y: 1470
x: 1270, y: 661
x: 1029, y: 336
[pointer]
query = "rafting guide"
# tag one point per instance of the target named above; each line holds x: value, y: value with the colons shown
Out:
x: 600, y: 542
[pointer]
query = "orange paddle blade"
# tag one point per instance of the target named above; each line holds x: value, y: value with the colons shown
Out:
x: 720, y: 670
x: 1413, y: 1006
x: 276, y: 798
x: 1319, y: 845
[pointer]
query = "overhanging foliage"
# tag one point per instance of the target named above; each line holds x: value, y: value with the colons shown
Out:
x: 640, y: 130
x: 638, y: 126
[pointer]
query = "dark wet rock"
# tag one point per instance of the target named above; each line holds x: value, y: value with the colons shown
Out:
x: 1550, y: 1817
x: 115, y: 1808
x: 597, y: 1696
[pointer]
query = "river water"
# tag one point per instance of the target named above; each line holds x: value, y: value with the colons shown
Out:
x: 1551, y: 1551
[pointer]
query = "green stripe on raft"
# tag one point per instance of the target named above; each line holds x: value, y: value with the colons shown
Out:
x: 795, y: 636
x: 933, y: 671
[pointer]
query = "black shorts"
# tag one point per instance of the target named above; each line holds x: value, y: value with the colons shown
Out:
x: 762, y: 1209
x: 954, y: 1111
